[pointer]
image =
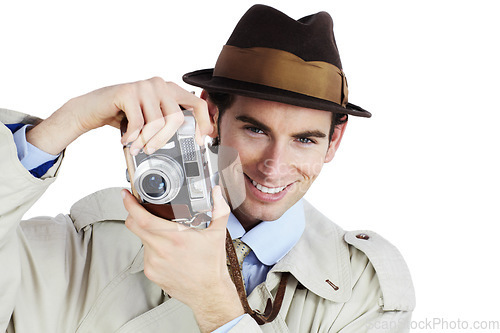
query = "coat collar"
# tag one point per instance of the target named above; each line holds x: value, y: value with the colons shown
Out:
x: 320, y: 255
x: 320, y: 260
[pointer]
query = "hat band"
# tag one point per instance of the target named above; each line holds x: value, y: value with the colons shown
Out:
x: 283, y: 70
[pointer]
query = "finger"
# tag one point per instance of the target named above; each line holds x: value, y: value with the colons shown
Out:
x: 220, y: 211
x: 135, y: 221
x: 137, y: 100
x: 154, y: 120
x: 130, y: 202
x: 203, y: 125
x: 173, y: 119
x: 200, y: 110
x: 141, y: 221
x: 133, y: 226
x: 146, y: 93
x: 135, y: 119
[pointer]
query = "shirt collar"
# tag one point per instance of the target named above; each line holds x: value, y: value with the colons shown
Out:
x: 271, y: 240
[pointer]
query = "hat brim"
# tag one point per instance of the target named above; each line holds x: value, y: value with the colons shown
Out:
x: 204, y: 79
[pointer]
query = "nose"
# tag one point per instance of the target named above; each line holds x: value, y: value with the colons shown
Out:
x: 275, y: 163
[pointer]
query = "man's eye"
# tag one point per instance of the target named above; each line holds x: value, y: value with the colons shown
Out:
x: 255, y: 130
x: 305, y: 140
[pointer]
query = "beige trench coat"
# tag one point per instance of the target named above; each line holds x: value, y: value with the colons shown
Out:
x: 83, y: 272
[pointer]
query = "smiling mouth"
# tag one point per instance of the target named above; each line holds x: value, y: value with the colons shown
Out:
x: 264, y: 189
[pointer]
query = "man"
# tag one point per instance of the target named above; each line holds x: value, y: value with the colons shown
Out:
x: 278, y: 97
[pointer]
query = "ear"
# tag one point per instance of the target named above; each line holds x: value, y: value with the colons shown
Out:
x: 337, y: 135
x: 213, y: 112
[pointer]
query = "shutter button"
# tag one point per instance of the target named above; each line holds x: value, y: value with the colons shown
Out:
x: 363, y: 236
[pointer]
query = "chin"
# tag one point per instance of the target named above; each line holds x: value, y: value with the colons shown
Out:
x: 264, y: 211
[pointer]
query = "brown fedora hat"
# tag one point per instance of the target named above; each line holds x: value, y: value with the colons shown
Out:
x: 274, y: 57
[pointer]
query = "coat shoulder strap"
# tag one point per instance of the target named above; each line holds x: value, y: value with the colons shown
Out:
x: 392, y: 271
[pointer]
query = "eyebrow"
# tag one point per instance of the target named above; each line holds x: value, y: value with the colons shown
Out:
x: 256, y: 123
x: 309, y: 134
x: 253, y: 121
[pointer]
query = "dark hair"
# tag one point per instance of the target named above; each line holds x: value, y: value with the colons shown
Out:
x: 223, y: 101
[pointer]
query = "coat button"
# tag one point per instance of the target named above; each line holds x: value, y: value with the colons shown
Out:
x: 363, y: 236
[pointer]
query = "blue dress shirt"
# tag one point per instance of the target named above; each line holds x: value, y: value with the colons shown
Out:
x: 269, y: 240
x: 33, y: 159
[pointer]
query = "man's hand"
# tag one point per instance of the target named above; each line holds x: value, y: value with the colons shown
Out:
x: 189, y: 264
x: 151, y: 107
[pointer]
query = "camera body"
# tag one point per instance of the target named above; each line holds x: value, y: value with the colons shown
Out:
x: 175, y: 181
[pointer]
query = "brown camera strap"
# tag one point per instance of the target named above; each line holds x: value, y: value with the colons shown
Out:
x: 272, y: 309
x: 168, y: 211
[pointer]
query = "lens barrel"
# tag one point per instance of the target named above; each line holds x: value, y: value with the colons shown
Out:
x: 158, y: 179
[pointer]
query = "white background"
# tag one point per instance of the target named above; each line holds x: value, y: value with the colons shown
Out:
x: 423, y: 171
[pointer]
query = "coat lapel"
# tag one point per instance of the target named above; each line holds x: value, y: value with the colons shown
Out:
x: 320, y: 259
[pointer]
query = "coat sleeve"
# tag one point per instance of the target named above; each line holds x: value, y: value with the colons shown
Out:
x: 394, y: 309
x: 19, y: 190
x: 246, y: 325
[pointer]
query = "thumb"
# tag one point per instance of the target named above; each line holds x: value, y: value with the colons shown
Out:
x: 131, y: 204
x: 220, y: 211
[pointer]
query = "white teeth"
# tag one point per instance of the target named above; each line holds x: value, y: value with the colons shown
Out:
x: 271, y: 190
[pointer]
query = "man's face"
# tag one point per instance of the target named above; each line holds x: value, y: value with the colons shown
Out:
x: 282, y: 149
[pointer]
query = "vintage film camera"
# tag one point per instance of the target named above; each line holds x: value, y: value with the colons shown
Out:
x: 174, y: 182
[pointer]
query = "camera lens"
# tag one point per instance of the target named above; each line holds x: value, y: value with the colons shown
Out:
x: 159, y: 179
x: 154, y: 185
